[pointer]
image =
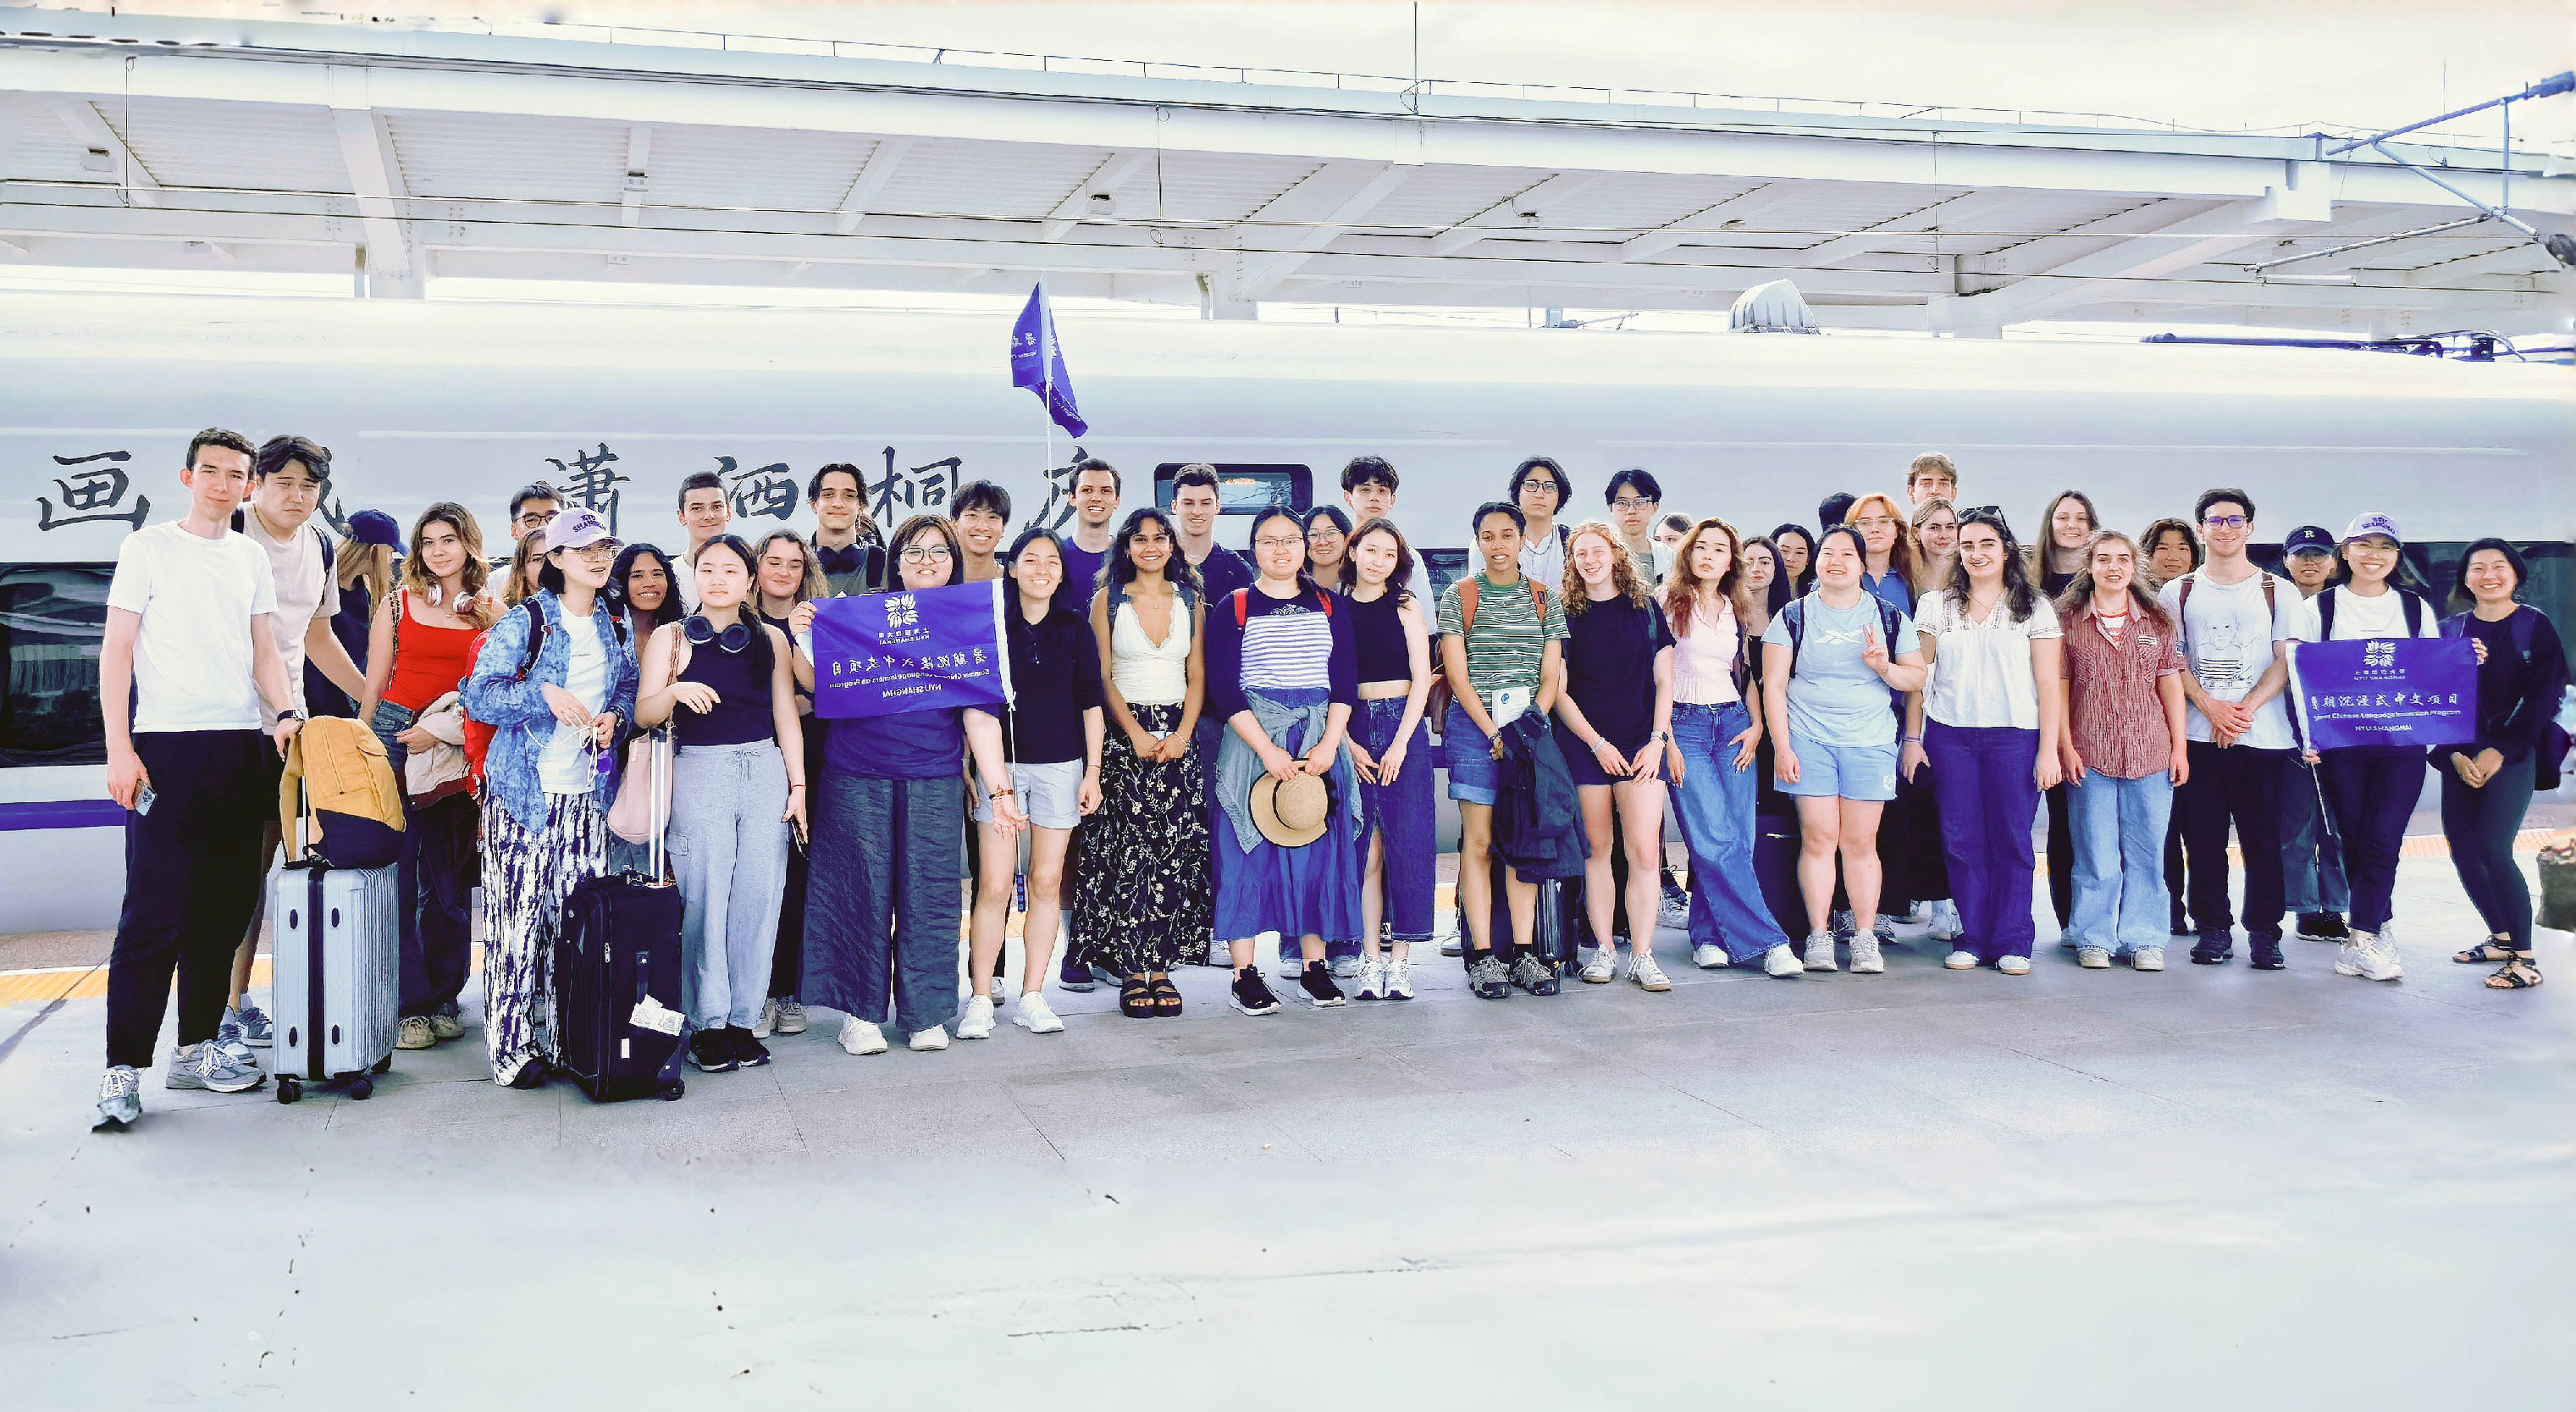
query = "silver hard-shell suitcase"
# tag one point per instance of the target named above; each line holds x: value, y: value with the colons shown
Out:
x: 334, y: 972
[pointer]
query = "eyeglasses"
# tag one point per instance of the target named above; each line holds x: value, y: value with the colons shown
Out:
x: 925, y: 553
x: 1874, y: 522
x: 700, y: 632
x: 2226, y: 521
x: 599, y: 550
x: 1272, y: 541
x: 1633, y: 502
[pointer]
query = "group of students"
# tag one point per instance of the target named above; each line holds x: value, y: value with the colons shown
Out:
x: 1203, y: 746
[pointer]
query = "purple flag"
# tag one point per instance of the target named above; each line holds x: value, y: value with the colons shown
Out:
x: 2410, y: 691
x: 1037, y: 363
x: 883, y: 654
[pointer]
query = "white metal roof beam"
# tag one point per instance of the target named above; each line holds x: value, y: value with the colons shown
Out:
x: 872, y: 177
x: 1353, y: 189
x: 1733, y: 211
x: 91, y: 131
x: 1108, y: 177
x: 2193, y: 240
x: 2141, y: 163
x: 1558, y: 190
x: 1963, y: 211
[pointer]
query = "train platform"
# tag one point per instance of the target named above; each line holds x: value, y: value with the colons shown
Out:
x: 1921, y: 1189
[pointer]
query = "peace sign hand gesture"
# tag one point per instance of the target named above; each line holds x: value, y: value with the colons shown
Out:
x: 1873, y: 652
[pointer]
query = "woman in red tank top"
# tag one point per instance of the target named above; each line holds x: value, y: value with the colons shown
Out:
x: 419, y: 650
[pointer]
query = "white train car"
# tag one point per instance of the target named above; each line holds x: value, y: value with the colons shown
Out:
x: 434, y: 401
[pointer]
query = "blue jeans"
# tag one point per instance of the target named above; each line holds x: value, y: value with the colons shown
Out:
x: 434, y: 880
x: 1982, y: 777
x: 2119, y: 827
x: 2311, y: 858
x: 1714, y: 805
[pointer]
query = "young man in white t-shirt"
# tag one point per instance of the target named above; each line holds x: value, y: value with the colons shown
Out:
x: 288, y: 476
x: 2237, y: 624
x: 189, y: 637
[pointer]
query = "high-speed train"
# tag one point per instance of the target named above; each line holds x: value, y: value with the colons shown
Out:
x: 427, y: 401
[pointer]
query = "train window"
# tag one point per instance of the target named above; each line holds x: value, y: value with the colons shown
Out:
x: 1245, y: 489
x: 52, y: 617
x: 1445, y: 566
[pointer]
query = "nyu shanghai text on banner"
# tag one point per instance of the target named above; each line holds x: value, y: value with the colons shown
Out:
x: 883, y: 654
x: 2415, y: 692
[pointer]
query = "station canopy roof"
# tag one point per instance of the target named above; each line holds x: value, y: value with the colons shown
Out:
x: 398, y: 154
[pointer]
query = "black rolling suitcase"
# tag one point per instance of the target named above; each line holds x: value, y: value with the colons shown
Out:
x: 617, y: 1030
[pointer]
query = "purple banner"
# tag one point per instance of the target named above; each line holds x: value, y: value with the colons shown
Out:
x: 883, y: 654
x: 2414, y: 691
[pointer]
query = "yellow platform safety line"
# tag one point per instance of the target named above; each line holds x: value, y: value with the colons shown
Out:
x: 49, y: 984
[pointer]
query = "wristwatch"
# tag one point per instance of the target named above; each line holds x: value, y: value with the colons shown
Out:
x: 289, y: 714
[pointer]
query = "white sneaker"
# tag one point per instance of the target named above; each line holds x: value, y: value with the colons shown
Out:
x: 1372, y: 979
x: 860, y: 1037
x: 1865, y: 958
x: 2093, y: 958
x: 1346, y: 967
x: 1920, y: 912
x: 767, y: 1024
x: 2066, y: 941
x: 1820, y: 951
x: 1961, y: 961
x: 2369, y: 956
x: 975, y: 1023
x: 791, y: 1016
x: 2014, y: 965
x: 929, y: 1040
x: 120, y: 1099
x: 1711, y: 957
x: 1399, y: 979
x: 1946, y: 925
x: 1603, y: 968
x: 2147, y: 958
x: 1291, y: 967
x: 1035, y: 1015
x: 1781, y: 962
x: 1643, y: 970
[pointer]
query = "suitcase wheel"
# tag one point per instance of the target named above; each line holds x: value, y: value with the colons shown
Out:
x: 288, y: 1090
x: 383, y: 1065
x: 672, y: 1090
x: 362, y: 1088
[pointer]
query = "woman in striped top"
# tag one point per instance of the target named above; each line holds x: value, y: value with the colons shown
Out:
x: 1283, y: 674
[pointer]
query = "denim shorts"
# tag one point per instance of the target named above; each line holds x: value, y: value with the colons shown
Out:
x: 1050, y: 794
x: 1470, y: 758
x: 1865, y: 773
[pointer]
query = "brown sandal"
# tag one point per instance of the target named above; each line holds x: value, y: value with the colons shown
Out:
x: 2517, y: 974
x: 2486, y: 952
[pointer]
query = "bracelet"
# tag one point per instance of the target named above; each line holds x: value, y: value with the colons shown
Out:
x: 999, y: 793
x: 1914, y: 740
x: 795, y: 784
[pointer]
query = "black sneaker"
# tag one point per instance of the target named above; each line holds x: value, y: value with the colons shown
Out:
x: 1534, y: 975
x: 2323, y: 926
x: 2267, y: 953
x: 1317, y: 981
x: 1252, y: 994
x: 2214, y: 950
x: 1489, y: 978
x: 712, y: 1050
x: 1073, y: 975
x: 748, y: 1051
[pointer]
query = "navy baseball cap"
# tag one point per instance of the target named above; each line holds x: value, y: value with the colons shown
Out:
x: 2308, y: 539
x: 375, y: 527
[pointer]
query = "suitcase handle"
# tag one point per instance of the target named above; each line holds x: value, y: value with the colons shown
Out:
x: 657, y: 768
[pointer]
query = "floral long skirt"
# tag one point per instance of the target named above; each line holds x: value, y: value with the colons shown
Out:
x: 1144, y: 899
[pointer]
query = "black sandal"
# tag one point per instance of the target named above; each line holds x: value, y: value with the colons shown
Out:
x: 1136, y: 998
x: 1167, y: 999
x: 2517, y: 974
x: 2490, y: 950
